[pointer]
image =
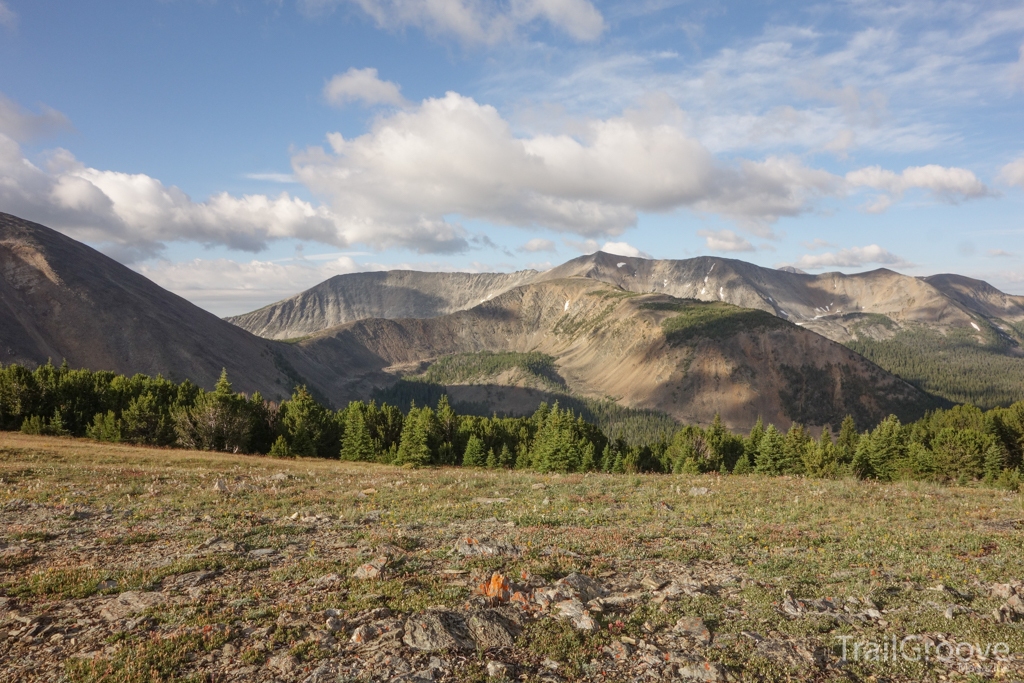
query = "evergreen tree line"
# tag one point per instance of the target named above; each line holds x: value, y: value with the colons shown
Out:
x: 960, y: 445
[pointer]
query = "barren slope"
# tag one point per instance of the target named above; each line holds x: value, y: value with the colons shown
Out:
x: 394, y: 294
x: 60, y: 299
x: 610, y: 343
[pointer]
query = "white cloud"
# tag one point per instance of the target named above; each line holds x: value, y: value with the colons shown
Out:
x: 21, y: 125
x: 1013, y: 173
x: 477, y: 21
x: 725, y: 240
x: 7, y: 16
x: 538, y: 244
x: 362, y: 85
x: 951, y: 184
x: 852, y: 257
x: 228, y: 287
x: 623, y: 249
x: 1000, y: 253
x: 134, y: 214
x: 451, y: 156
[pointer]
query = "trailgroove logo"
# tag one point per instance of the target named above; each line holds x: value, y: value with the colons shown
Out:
x: 918, y: 649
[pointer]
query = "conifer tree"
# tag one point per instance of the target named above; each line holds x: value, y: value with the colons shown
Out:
x: 356, y: 443
x: 474, y: 454
x: 771, y: 452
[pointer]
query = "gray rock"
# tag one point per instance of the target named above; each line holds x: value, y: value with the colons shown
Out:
x: 129, y: 603
x: 469, y: 546
x: 220, y: 486
x: 1002, y: 591
x: 334, y: 624
x: 574, y: 611
x: 371, y: 569
x: 703, y: 671
x: 499, y: 670
x: 699, y: 490
x: 583, y: 586
x: 619, y: 651
x: 284, y: 664
x: 491, y: 630
x: 436, y: 631
x: 695, y: 629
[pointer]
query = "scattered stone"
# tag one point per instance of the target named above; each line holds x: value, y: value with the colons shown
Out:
x: 699, y: 490
x: 280, y: 476
x: 371, y: 569
x: 262, y: 552
x: 546, y: 501
x: 220, y: 486
x: 467, y: 546
x: 364, y: 634
x: 585, y: 588
x: 618, y: 650
x: 703, y: 671
x: 80, y: 514
x: 574, y: 611
x: 334, y: 624
x: 695, y: 629
x: 491, y: 501
x: 538, y: 486
x: 284, y: 664
x: 193, y: 579
x: 130, y: 603
x: 499, y: 670
x: 491, y: 630
x: 1002, y: 591
x: 326, y: 581
x: 437, y: 630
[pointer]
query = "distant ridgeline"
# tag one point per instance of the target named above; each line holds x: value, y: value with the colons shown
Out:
x: 959, y: 445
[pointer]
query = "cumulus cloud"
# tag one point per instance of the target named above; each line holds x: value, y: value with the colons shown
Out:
x: 134, y: 214
x: 21, y: 125
x: 362, y: 85
x: 948, y: 183
x: 623, y: 249
x: 452, y: 156
x: 7, y: 16
x: 538, y: 244
x: 228, y: 287
x: 725, y: 240
x: 476, y: 21
x: 852, y: 257
x: 1013, y: 173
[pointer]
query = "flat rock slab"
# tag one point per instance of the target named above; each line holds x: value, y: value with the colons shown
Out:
x: 129, y: 603
x: 491, y: 630
x: 438, y: 630
x: 469, y: 546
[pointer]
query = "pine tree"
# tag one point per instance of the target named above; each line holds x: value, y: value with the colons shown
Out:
x: 492, y: 459
x: 474, y: 454
x: 356, y: 443
x: 771, y: 452
x: 280, y: 448
x: 753, y: 442
x: 846, y: 442
x: 413, y: 449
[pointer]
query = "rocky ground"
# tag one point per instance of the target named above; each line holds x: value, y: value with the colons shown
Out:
x: 126, y: 564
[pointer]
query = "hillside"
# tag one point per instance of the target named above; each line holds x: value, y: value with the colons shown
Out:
x: 394, y: 294
x: 62, y: 300
x: 950, y: 335
x: 685, y: 358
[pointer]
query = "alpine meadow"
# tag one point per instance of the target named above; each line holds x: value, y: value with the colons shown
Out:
x: 540, y: 341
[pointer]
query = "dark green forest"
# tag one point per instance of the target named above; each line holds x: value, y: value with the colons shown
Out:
x: 961, y: 445
x: 954, y: 366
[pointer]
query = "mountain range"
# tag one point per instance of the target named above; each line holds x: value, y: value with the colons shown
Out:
x: 688, y: 338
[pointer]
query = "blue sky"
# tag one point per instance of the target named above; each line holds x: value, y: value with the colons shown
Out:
x: 239, y: 152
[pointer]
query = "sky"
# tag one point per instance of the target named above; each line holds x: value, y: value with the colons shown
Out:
x: 237, y: 152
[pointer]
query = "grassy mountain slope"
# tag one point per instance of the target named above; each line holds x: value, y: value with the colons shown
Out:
x: 685, y: 358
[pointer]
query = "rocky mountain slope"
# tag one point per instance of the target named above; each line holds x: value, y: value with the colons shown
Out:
x: 832, y: 304
x: 951, y: 335
x: 687, y: 359
x: 62, y: 300
x: 394, y: 294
